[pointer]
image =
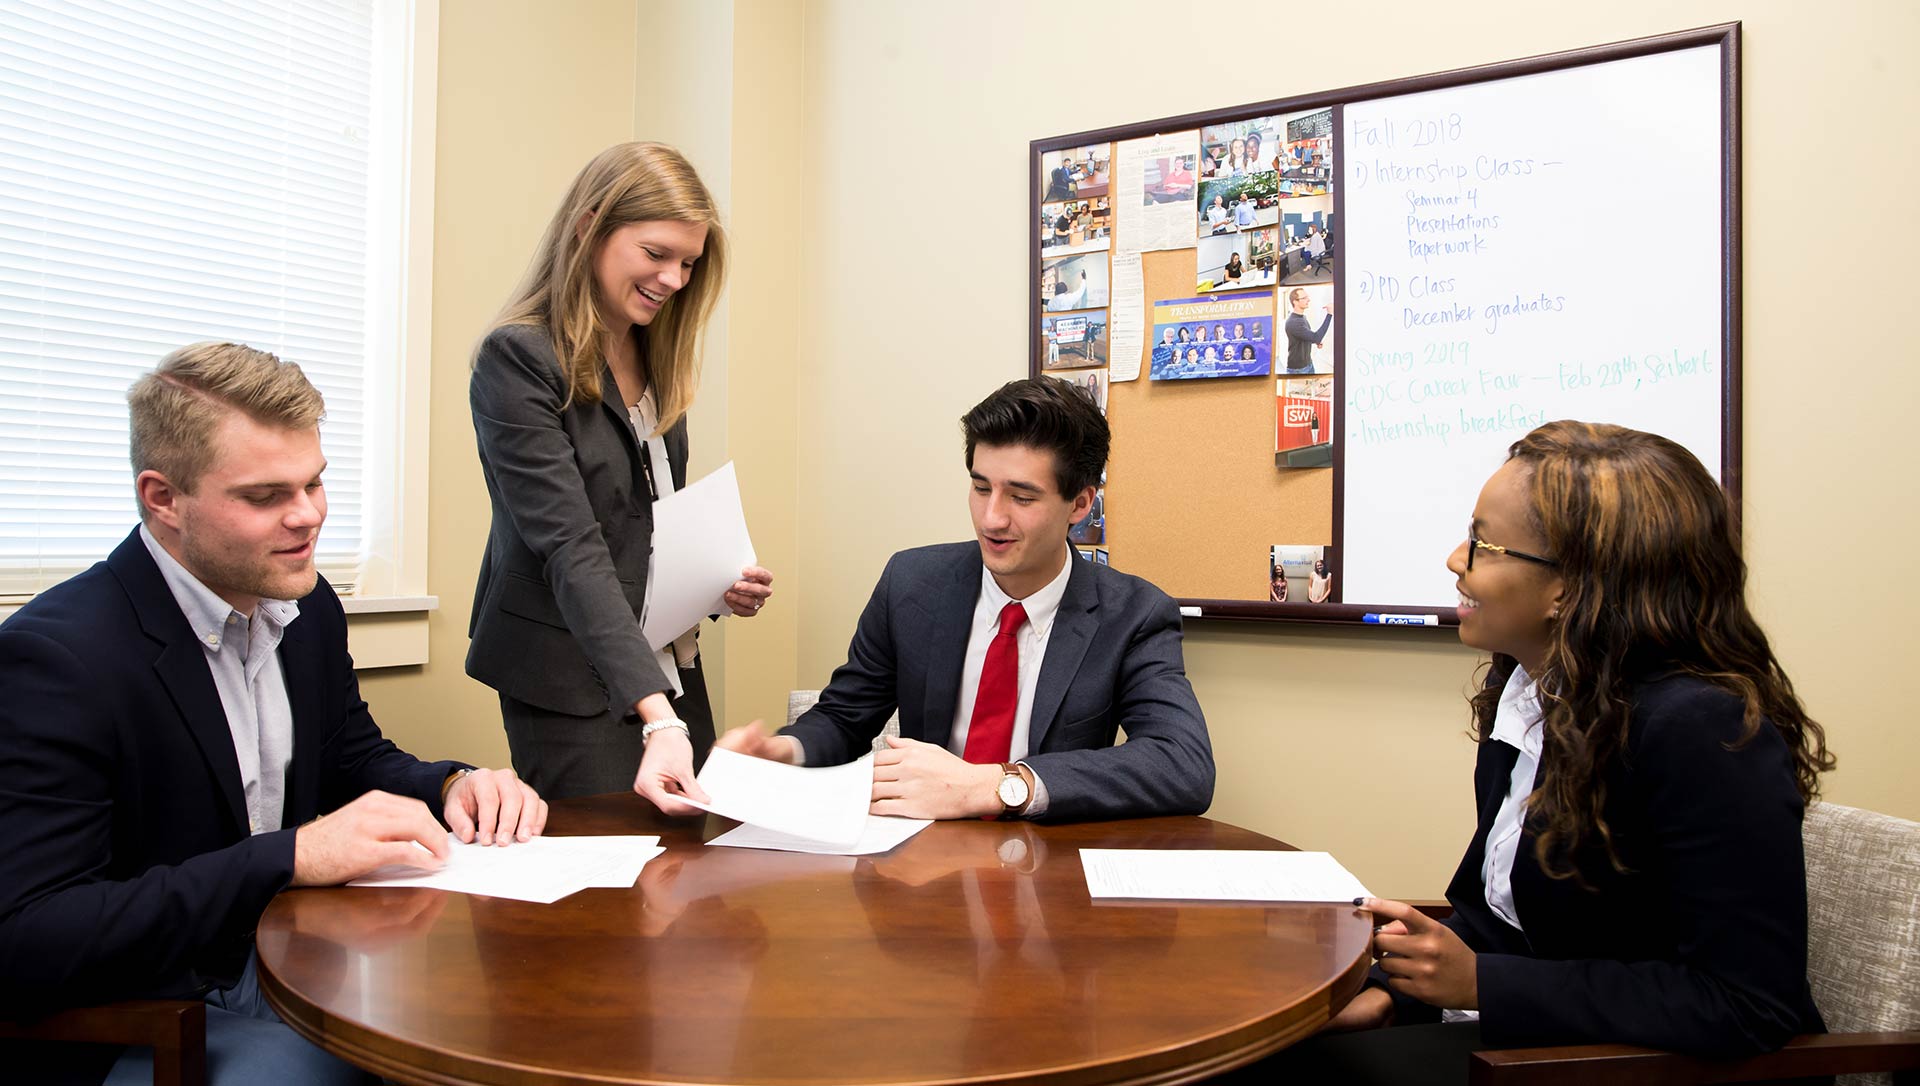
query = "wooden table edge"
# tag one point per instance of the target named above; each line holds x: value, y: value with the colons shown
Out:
x: 357, y: 1045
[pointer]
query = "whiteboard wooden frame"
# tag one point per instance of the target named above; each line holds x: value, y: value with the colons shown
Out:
x: 1726, y: 36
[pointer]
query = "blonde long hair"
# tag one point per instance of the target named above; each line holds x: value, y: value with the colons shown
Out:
x: 626, y: 183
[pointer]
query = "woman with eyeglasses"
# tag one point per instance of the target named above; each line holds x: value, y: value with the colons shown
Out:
x: 1636, y: 874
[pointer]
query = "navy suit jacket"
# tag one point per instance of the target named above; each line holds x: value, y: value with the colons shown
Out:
x: 1112, y: 663
x: 1701, y: 945
x: 128, y: 869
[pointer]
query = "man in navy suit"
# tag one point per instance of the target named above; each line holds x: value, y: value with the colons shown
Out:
x: 182, y: 737
x: 1012, y: 665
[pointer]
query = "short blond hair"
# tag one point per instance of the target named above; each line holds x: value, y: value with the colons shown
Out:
x: 176, y: 408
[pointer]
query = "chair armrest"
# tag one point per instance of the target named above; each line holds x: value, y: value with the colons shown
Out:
x: 1433, y: 909
x: 175, y: 1028
x: 1805, y: 1056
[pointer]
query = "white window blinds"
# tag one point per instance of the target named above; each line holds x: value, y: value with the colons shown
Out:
x: 174, y: 171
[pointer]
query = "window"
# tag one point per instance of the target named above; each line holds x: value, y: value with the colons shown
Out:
x: 183, y: 170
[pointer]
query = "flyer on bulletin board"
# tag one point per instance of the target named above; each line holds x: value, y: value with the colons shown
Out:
x: 1227, y: 335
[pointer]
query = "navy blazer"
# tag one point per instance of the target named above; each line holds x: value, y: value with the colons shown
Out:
x: 1701, y: 945
x: 563, y: 581
x: 1112, y: 663
x: 128, y: 869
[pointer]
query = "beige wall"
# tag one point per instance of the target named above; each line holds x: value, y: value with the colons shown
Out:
x: 528, y: 93
x: 720, y: 79
x: 764, y: 379
x: 876, y: 180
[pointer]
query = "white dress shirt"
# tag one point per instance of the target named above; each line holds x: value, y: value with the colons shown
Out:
x: 645, y: 420
x: 1031, y: 641
x: 243, y: 653
x: 1516, y: 723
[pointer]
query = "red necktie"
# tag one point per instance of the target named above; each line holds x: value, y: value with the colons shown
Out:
x: 990, y: 732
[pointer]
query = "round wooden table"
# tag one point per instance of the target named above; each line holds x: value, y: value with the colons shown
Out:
x: 972, y: 953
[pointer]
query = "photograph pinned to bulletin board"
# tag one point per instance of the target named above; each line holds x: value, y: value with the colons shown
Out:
x: 1077, y: 173
x: 1303, y: 423
x: 1240, y: 261
x: 1299, y: 573
x: 1075, y: 340
x: 1306, y: 159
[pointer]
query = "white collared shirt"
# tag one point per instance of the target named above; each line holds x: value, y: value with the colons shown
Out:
x: 1516, y: 723
x: 1031, y: 641
x: 645, y: 419
x: 243, y: 653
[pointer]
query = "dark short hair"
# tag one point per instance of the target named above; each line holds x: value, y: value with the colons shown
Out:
x: 1043, y: 413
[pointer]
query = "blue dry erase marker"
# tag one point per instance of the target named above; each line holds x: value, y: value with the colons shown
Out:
x: 1402, y: 620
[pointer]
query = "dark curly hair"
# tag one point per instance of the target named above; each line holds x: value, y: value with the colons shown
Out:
x: 1648, y: 551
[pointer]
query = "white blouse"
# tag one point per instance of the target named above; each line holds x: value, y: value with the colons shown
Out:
x: 1516, y: 723
x: 645, y: 418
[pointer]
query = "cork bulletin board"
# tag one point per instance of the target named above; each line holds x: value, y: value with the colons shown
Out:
x: 1196, y: 475
x: 1426, y: 247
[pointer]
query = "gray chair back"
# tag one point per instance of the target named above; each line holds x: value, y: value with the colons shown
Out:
x: 1863, y: 921
x: 799, y: 701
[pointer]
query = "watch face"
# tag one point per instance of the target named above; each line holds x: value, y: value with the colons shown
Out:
x: 1013, y: 790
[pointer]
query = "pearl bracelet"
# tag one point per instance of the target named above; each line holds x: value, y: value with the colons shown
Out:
x: 647, y: 730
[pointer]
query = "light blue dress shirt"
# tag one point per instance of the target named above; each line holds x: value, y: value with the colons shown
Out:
x: 243, y: 653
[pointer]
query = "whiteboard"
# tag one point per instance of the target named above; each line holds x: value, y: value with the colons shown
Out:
x: 1534, y: 248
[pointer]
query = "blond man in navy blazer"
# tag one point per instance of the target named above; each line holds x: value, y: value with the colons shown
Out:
x: 183, y: 737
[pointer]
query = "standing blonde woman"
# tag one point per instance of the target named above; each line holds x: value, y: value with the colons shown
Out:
x: 579, y: 395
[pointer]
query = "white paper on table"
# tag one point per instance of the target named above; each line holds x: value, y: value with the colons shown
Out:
x: 1126, y: 317
x: 1215, y: 875
x: 542, y: 870
x: 625, y: 857
x: 700, y: 544
x: 883, y: 833
x: 1141, y: 224
x: 827, y: 804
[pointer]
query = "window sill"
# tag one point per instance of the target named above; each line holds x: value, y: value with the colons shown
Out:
x: 376, y: 605
x: 382, y: 631
x: 387, y: 631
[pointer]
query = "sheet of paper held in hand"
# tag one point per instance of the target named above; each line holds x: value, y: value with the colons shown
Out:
x: 797, y: 808
x: 1213, y: 875
x: 542, y: 870
x: 700, y: 545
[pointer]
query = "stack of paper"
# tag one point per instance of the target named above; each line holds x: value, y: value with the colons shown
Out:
x: 544, y: 869
x: 700, y: 545
x: 1209, y: 875
x: 795, y: 809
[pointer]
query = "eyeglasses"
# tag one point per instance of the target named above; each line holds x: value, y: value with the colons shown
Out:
x: 1475, y: 543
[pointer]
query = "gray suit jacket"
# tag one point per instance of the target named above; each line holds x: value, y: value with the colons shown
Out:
x: 556, y: 615
x: 1113, y: 662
